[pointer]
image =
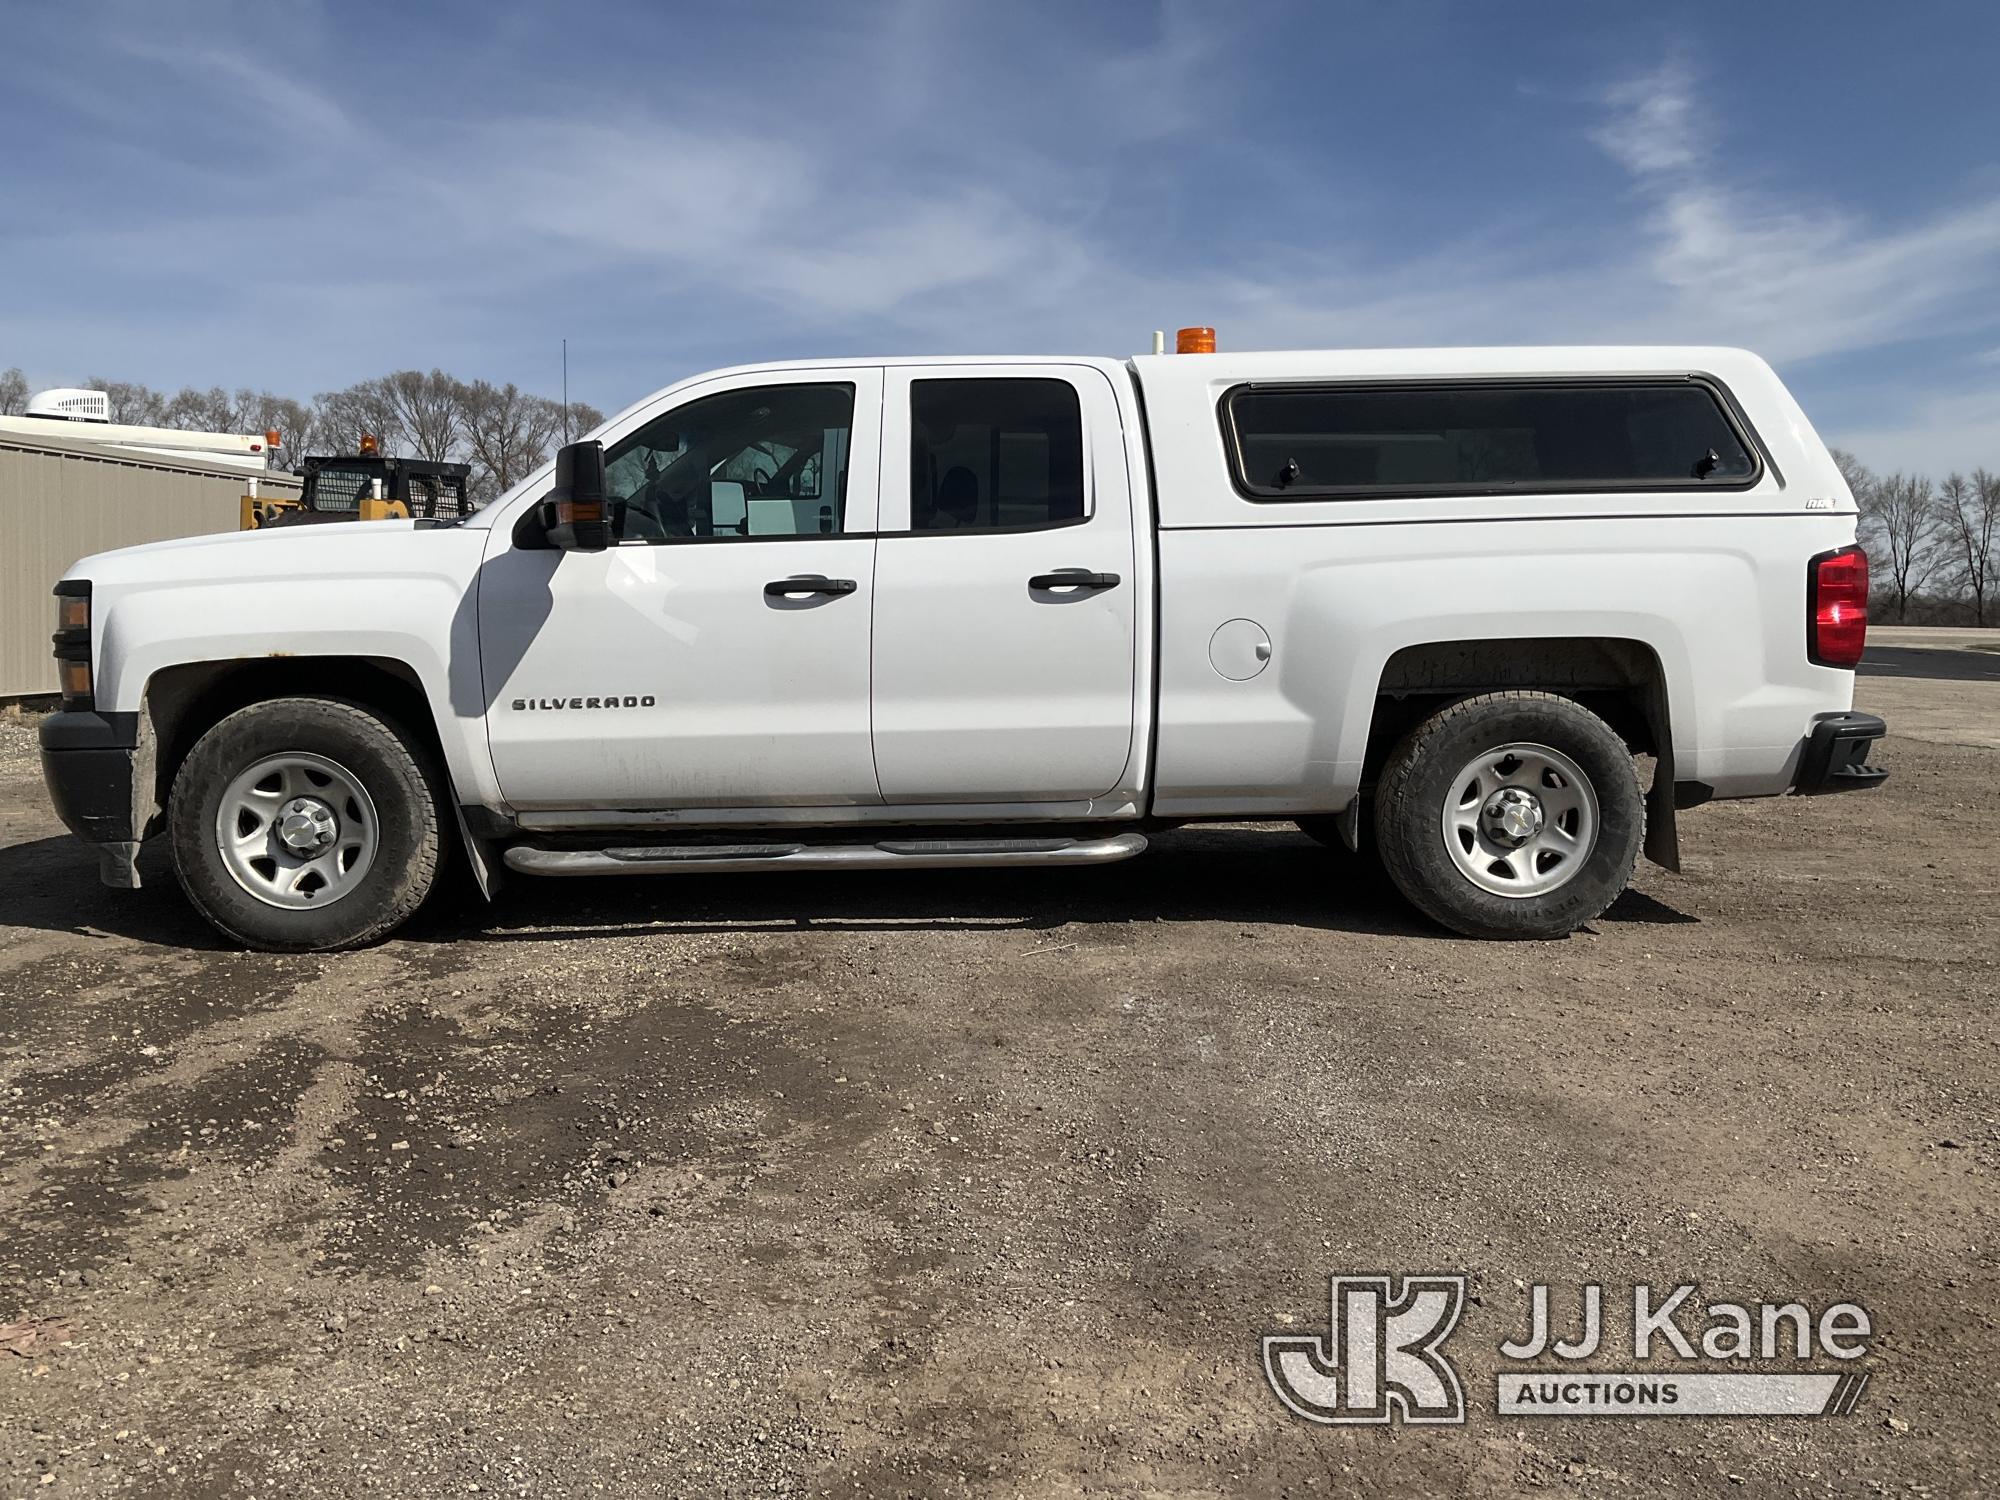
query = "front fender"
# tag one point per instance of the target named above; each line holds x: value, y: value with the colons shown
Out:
x: 306, y: 595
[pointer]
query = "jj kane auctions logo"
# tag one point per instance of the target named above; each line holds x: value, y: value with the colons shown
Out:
x: 1382, y: 1357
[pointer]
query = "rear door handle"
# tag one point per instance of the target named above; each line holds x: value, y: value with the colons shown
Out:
x: 779, y: 588
x: 1074, y: 578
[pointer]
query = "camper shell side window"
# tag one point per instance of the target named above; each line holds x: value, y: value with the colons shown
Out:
x: 1486, y: 437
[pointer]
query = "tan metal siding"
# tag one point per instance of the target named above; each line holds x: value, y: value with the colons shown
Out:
x: 62, y: 499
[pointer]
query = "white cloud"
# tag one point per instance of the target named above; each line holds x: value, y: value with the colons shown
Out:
x: 286, y: 106
x: 1796, y: 279
x: 1959, y: 431
x: 1158, y: 90
x: 763, y: 215
x: 1652, y: 127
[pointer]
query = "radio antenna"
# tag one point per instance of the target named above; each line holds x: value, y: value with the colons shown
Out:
x: 565, y: 363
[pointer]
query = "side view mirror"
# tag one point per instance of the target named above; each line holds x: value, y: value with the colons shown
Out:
x: 577, y: 520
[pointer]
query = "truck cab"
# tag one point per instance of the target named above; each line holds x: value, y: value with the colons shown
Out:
x: 899, y: 613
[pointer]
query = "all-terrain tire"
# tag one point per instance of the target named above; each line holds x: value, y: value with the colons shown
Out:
x: 407, y: 843
x: 1424, y: 771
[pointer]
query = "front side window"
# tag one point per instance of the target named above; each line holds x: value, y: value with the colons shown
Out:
x: 767, y: 461
x: 992, y: 454
x: 1301, y: 442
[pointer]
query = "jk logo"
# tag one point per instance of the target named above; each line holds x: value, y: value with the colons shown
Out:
x: 1380, y: 1356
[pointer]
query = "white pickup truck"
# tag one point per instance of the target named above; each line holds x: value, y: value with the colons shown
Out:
x: 914, y: 613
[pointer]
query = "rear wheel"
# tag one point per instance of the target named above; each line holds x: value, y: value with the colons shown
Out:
x: 1510, y: 815
x: 304, y: 824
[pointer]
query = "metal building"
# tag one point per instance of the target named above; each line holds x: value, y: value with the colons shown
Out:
x: 63, y: 497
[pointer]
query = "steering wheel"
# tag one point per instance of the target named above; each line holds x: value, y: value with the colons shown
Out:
x: 641, y: 520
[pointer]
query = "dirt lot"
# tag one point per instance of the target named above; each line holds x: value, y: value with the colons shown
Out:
x: 989, y: 1184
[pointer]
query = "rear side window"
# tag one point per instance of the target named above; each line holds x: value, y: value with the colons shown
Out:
x: 995, y: 454
x: 1315, y: 442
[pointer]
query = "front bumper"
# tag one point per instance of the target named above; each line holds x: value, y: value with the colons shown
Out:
x: 1835, y: 758
x: 93, y: 765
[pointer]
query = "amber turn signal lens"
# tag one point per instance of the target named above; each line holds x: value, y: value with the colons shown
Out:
x: 73, y: 613
x: 75, y: 677
x: 1195, y: 341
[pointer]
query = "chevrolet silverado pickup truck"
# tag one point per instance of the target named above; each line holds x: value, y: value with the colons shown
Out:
x: 1434, y: 606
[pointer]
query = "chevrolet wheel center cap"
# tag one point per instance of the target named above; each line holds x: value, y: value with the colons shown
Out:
x: 306, y: 825
x: 1513, y: 816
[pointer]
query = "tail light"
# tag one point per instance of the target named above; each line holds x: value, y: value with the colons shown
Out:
x: 1837, y: 607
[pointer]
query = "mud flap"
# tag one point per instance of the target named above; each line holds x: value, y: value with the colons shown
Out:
x: 1663, y: 838
x: 486, y: 871
x: 118, y: 865
x: 1348, y: 820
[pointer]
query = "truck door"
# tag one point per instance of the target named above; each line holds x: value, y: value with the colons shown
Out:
x: 716, y: 655
x: 1005, y: 640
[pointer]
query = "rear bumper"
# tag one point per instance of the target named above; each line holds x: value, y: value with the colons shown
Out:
x: 1835, y: 757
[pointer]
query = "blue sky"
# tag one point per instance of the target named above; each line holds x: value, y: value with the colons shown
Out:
x: 296, y: 195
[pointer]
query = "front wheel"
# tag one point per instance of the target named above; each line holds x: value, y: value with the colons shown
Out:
x: 304, y: 824
x: 1510, y: 815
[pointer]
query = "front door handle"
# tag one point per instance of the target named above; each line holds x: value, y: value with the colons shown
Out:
x: 1074, y: 578
x: 779, y: 588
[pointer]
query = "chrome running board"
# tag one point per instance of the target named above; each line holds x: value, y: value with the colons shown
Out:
x: 889, y: 854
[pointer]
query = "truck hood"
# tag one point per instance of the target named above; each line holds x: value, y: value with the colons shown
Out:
x: 304, y: 554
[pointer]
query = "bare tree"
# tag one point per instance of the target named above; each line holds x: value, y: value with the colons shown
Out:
x: 1971, y: 509
x: 431, y: 408
x: 507, y: 434
x: 293, y: 421
x: 503, y: 431
x: 212, y: 410
x: 1860, y: 478
x: 1901, y: 526
x: 341, y: 417
x: 13, y: 393
x: 132, y: 404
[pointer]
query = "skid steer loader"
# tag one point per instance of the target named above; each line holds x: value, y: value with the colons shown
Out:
x: 365, y: 486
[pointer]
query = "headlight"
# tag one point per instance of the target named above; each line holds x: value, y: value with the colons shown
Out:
x: 72, y: 640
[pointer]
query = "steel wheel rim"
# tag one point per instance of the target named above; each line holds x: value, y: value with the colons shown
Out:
x: 1520, y: 820
x: 297, y: 831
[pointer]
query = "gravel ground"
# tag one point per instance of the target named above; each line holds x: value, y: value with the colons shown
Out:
x: 988, y: 1184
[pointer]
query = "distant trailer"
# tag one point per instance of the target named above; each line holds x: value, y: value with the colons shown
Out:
x: 66, y: 493
x: 86, y: 417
